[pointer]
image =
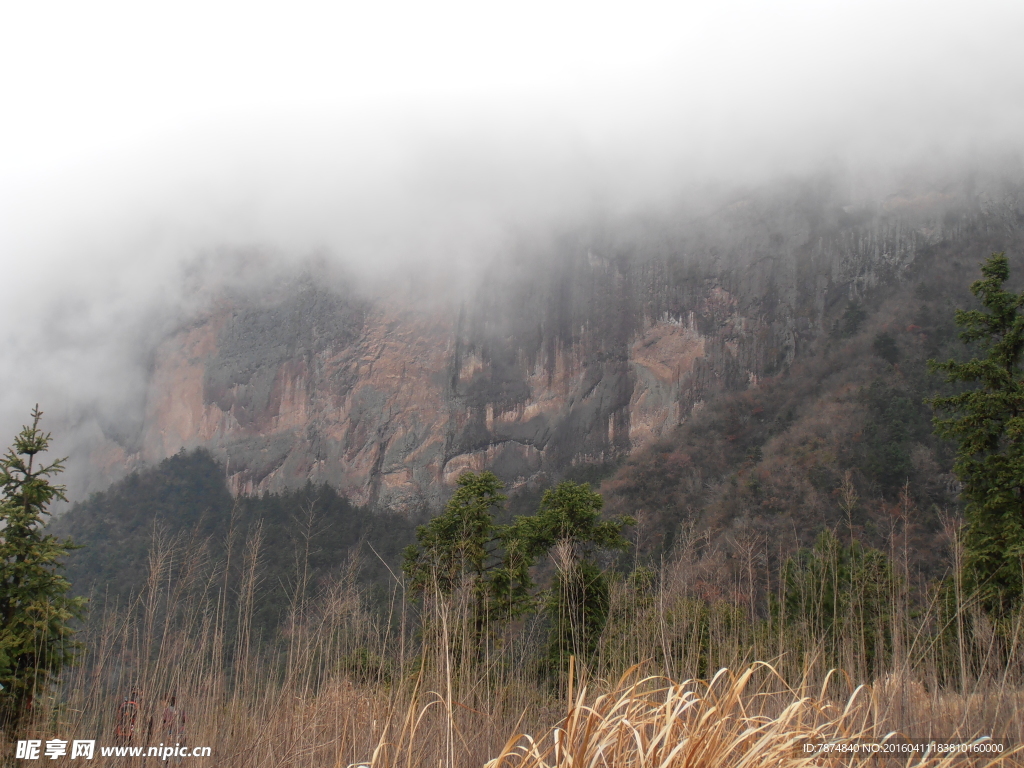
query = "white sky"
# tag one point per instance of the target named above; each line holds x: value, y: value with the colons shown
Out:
x: 130, y: 102
x: 84, y: 83
x: 135, y: 134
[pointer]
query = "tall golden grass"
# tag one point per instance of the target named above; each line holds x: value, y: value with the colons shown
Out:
x: 678, y: 679
x: 738, y: 720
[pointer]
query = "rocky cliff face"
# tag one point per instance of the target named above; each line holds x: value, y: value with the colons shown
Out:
x: 579, y: 349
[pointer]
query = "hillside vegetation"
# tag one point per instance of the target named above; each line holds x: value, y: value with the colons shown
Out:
x: 842, y: 439
x: 183, y: 505
x: 796, y: 536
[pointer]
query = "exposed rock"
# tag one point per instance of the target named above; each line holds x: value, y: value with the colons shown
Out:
x: 571, y: 352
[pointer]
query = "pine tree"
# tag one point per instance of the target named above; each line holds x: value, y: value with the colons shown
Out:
x: 987, y: 423
x: 569, y: 521
x: 459, y: 543
x: 463, y: 545
x: 36, y: 613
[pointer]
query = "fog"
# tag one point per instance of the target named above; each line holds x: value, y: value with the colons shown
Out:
x: 149, y: 158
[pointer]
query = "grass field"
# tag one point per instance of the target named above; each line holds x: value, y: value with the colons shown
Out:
x: 677, y: 680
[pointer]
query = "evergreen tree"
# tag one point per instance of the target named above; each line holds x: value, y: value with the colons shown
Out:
x: 987, y: 423
x: 459, y: 543
x: 36, y: 612
x: 463, y: 545
x: 569, y: 520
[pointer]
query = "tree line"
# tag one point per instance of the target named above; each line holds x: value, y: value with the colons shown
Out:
x: 464, y: 548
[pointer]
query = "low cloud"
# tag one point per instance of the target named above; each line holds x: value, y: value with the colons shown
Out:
x: 157, y: 169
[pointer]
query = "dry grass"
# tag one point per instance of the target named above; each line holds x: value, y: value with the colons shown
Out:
x: 344, y: 685
x: 746, y: 718
x: 734, y: 720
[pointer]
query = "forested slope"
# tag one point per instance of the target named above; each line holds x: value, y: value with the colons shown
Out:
x: 842, y: 438
x: 182, y: 509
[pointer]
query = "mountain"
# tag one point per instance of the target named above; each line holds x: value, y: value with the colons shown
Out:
x: 585, y: 346
x: 842, y: 436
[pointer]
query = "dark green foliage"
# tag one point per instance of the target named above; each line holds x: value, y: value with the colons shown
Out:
x: 338, y: 532
x: 570, y: 512
x: 888, y: 430
x: 839, y: 592
x: 185, y: 499
x: 850, y: 322
x: 987, y: 424
x: 568, y: 520
x: 885, y: 347
x: 578, y: 610
x: 36, y: 613
x: 464, y: 546
x: 460, y: 543
x: 185, y: 493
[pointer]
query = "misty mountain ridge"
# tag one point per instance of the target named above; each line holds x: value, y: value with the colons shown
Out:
x: 578, y: 346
